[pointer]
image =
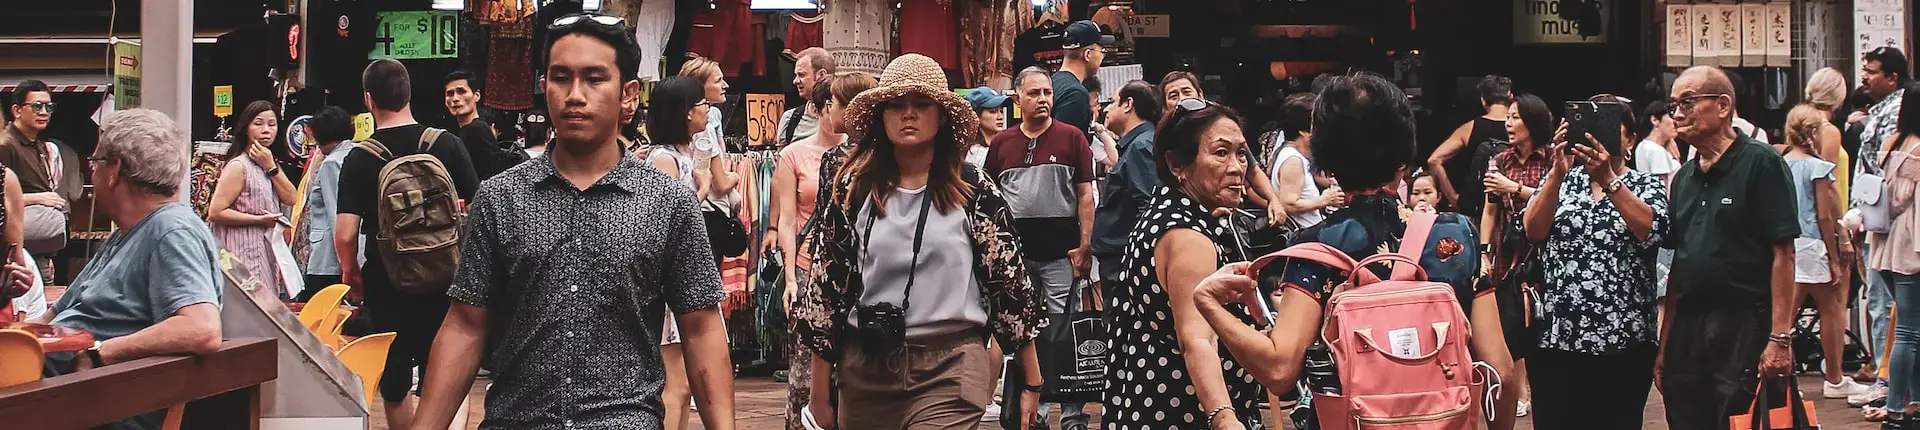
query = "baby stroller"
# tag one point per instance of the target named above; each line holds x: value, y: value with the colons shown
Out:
x: 1808, y: 356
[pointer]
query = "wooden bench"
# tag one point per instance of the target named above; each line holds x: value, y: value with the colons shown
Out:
x: 222, y: 390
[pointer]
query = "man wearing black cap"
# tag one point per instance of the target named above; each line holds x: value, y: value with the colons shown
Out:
x: 1083, y: 47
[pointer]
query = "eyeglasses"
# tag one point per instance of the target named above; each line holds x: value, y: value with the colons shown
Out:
x: 577, y: 18
x: 97, y: 159
x: 41, y: 107
x: 1686, y: 103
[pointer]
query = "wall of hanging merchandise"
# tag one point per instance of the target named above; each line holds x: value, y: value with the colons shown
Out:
x: 755, y: 170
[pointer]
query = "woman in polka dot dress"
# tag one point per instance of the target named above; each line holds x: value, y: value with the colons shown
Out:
x: 1169, y: 371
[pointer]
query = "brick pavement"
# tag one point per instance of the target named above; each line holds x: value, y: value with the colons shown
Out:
x: 760, y: 403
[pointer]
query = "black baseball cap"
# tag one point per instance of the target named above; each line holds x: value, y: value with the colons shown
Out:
x: 1082, y: 33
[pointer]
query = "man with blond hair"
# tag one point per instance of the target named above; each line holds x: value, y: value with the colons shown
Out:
x: 809, y: 67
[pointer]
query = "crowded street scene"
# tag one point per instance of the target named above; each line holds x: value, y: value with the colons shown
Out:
x: 959, y: 215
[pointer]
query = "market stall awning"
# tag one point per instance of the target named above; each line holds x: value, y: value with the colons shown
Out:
x: 58, y: 81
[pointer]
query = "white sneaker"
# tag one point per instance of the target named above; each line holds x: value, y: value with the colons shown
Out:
x: 1875, y: 393
x: 1523, y: 408
x: 1845, y: 389
x: 993, y: 413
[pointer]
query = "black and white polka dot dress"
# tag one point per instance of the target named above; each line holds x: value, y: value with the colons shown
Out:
x: 1151, y: 388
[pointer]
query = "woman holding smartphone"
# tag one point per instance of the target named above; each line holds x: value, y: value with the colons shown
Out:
x: 250, y: 195
x: 1598, y: 222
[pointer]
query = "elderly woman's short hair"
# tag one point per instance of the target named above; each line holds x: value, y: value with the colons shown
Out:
x: 1176, y: 141
x: 149, y: 146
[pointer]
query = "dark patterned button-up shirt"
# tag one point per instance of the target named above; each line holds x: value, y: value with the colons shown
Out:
x: 833, y: 288
x: 573, y: 282
x: 1600, y: 279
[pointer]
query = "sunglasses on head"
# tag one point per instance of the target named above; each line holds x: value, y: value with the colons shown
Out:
x: 579, y: 18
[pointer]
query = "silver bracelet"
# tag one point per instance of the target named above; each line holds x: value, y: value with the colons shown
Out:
x: 1216, y: 413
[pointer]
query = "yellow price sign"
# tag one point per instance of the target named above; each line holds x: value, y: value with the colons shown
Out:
x: 362, y: 127
x: 763, y: 118
x: 223, y: 101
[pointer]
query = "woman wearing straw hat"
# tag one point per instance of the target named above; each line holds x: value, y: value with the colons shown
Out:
x: 916, y: 266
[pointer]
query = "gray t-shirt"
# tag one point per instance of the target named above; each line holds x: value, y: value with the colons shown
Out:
x: 946, y: 294
x: 143, y: 275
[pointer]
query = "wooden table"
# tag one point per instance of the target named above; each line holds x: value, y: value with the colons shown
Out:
x: 55, y: 338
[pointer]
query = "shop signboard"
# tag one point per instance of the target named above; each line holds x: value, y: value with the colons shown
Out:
x: 1149, y: 26
x: 1727, y: 22
x: 1545, y: 22
x: 1679, y: 35
x: 1706, y: 34
x: 126, y: 74
x: 1878, y: 23
x: 763, y: 118
x: 1753, y: 34
x: 223, y: 101
x: 1779, y: 34
x: 415, y: 35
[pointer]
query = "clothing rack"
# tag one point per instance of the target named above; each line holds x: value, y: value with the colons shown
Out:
x: 739, y: 274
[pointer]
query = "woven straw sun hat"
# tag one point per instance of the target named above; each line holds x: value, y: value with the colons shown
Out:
x: 910, y: 74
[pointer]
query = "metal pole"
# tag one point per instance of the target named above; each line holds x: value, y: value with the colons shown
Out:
x: 166, y: 81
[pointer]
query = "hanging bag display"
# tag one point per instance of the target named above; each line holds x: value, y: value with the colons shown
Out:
x: 1797, y: 414
x: 1075, y: 359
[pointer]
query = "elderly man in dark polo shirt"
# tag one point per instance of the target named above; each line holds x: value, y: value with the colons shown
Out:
x: 1733, y: 230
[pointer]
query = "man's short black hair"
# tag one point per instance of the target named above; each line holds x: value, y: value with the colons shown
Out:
x: 20, y: 91
x: 1146, y: 104
x: 459, y: 75
x: 1296, y: 114
x: 387, y: 82
x: 1363, y: 131
x: 626, y: 53
x: 332, y: 124
x: 1092, y: 83
x: 1496, y: 90
x: 1892, y: 61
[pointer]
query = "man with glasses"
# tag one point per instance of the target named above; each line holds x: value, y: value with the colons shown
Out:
x: 24, y: 150
x: 566, y: 261
x: 1732, y: 278
x: 1045, y: 169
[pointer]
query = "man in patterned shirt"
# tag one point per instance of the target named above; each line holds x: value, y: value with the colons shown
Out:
x: 565, y: 262
x: 1883, y: 74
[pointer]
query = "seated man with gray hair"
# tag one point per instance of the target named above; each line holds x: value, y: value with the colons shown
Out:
x: 153, y: 288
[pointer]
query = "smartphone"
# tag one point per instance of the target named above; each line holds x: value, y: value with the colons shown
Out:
x: 1600, y: 119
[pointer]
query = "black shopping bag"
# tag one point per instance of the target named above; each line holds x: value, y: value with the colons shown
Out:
x: 1075, y: 357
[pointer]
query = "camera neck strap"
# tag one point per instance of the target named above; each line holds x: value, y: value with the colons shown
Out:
x: 919, y: 229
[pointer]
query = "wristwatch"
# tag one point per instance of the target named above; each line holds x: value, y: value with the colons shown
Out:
x: 1610, y: 187
x: 93, y: 358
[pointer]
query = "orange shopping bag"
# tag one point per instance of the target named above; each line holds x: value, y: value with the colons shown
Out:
x: 1797, y: 414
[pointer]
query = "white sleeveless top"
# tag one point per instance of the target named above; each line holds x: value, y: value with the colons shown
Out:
x: 1308, y: 189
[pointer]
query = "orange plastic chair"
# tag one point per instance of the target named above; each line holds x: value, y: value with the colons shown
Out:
x: 20, y: 357
x: 367, y: 358
x: 318, y: 307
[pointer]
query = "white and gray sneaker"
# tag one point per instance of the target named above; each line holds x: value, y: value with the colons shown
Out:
x: 1845, y: 389
x: 1874, y: 394
x: 993, y: 413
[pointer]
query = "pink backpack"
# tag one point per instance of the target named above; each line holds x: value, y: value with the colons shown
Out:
x: 1400, y: 343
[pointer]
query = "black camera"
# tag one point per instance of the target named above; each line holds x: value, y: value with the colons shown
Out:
x: 883, y: 326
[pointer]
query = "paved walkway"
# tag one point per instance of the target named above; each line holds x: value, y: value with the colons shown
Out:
x: 761, y: 402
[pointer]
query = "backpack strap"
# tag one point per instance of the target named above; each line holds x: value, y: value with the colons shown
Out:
x: 428, y: 136
x: 373, y: 146
x: 793, y: 122
x: 1414, y: 242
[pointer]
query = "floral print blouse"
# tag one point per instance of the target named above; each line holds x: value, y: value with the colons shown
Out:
x: 833, y: 287
x: 1600, y: 279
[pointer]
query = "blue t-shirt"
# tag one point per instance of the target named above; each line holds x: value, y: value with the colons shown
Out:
x: 1805, y: 171
x: 143, y: 275
x: 1371, y: 224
